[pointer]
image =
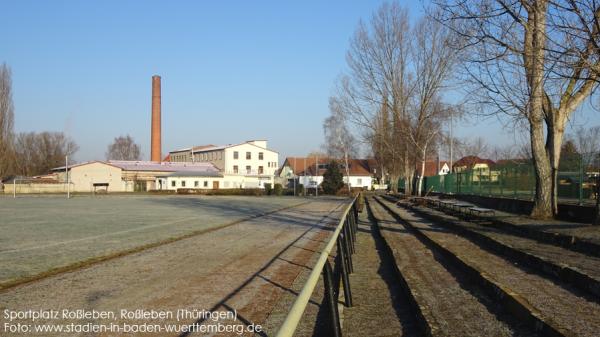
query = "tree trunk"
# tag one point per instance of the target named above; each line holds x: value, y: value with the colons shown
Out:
x: 394, y: 183
x: 534, y: 57
x: 554, y: 143
x: 542, y: 205
x: 420, y: 184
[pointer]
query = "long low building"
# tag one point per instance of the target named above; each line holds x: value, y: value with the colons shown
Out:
x: 126, y: 176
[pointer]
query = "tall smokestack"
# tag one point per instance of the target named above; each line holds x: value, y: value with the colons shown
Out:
x: 155, y: 136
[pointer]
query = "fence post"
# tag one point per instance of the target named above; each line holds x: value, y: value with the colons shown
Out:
x: 331, y: 301
x: 514, y: 182
x: 490, y: 181
x: 501, y: 179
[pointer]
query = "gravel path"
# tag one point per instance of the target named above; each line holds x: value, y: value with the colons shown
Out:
x: 556, y: 304
x: 244, y: 267
x: 452, y: 307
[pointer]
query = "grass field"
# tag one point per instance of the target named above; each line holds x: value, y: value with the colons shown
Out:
x: 39, y: 234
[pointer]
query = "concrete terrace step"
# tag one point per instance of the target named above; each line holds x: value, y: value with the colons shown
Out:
x: 549, y: 307
x: 579, y: 237
x: 578, y: 269
x: 443, y: 299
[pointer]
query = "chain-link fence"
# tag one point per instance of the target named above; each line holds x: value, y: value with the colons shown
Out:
x: 577, y: 179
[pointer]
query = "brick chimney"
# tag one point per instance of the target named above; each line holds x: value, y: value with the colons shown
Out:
x: 155, y: 141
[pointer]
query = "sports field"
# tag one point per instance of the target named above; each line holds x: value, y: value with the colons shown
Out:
x: 41, y: 234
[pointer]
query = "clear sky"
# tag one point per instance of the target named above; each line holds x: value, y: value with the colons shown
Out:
x: 231, y: 70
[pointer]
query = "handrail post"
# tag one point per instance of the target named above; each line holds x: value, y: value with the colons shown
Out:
x: 336, y: 330
x: 344, y: 270
x: 346, y: 243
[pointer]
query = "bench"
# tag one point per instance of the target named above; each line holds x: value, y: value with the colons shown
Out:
x: 446, y: 204
x: 462, y: 207
x: 481, y: 211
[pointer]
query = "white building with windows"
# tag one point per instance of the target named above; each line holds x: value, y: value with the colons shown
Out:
x: 245, y: 165
x: 309, y: 171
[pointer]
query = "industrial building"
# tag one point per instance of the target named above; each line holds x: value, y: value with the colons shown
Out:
x: 245, y: 165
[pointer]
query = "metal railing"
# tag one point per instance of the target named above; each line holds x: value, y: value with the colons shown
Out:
x: 344, y: 237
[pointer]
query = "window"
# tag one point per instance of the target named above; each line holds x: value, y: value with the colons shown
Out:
x: 248, y: 169
x: 235, y: 169
x: 236, y: 155
x: 269, y: 164
x: 260, y: 156
x: 196, y: 183
x: 220, y: 155
x: 173, y: 182
x: 248, y: 155
x: 260, y: 170
x: 206, y: 183
x: 359, y: 181
x: 183, y: 183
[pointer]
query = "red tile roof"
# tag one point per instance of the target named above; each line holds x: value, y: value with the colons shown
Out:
x: 431, y: 167
x: 307, y: 166
x: 470, y: 161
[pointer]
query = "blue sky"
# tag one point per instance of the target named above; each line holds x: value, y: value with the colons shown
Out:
x: 231, y: 70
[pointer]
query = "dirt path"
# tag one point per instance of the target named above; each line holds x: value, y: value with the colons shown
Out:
x: 245, y: 267
x: 380, y: 307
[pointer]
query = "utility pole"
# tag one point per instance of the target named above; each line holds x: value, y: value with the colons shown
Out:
x: 294, y: 176
x: 451, y: 141
x: 317, y: 176
x: 67, y: 173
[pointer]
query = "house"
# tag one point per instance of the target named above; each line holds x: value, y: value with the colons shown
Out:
x: 309, y: 171
x: 432, y: 168
x: 479, y: 167
x: 472, y: 163
x: 247, y: 165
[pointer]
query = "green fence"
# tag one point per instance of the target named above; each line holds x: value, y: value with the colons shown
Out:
x: 516, y: 179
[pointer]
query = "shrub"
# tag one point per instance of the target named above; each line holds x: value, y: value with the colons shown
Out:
x: 278, y: 189
x: 332, y: 179
x: 300, y: 189
x: 268, y: 188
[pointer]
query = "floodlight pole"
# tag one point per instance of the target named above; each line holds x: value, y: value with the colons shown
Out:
x: 15, y: 188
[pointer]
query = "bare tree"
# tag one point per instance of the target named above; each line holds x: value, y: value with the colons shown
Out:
x: 340, y: 142
x: 433, y: 62
x: 124, y: 148
x: 392, y: 91
x: 476, y: 146
x: 378, y: 85
x: 535, y: 61
x: 37, y: 153
x: 506, y: 152
x: 6, y: 122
